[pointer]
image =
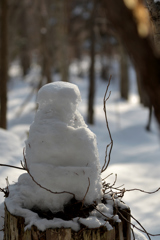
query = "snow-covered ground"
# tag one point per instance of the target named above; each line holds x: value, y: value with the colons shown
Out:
x: 135, y: 155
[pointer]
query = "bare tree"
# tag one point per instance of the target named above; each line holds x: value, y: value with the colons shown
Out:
x: 91, y: 91
x: 130, y: 22
x: 3, y: 63
x: 61, y: 12
x: 124, y: 76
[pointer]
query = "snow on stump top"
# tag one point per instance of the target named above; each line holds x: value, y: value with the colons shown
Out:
x: 61, y: 155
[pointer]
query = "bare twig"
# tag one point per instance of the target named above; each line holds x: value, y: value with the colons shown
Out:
x: 86, y: 191
x: 114, y: 181
x: 11, y: 166
x: 107, y: 176
x: 110, y: 189
x: 136, y: 189
x: 5, y: 191
x: 144, y: 231
x: 106, y: 163
x: 150, y: 234
x: 101, y: 213
x: 133, y: 234
x: 117, y: 188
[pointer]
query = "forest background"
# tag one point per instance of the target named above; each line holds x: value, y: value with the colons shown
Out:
x: 85, y: 42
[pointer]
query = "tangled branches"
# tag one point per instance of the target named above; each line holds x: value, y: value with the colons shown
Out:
x: 119, y: 192
x: 116, y: 193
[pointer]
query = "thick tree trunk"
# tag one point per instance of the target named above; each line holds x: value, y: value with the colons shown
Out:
x: 133, y: 34
x: 91, y: 90
x: 124, y: 78
x: 14, y: 230
x: 45, y: 52
x: 24, y: 47
x: 153, y: 8
x: 62, y: 38
x: 3, y: 64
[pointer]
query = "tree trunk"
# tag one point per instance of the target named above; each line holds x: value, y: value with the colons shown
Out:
x: 3, y: 64
x: 14, y: 230
x: 153, y: 8
x: 24, y: 46
x: 62, y: 38
x: 91, y: 91
x: 138, y: 44
x: 45, y: 54
x: 124, y: 78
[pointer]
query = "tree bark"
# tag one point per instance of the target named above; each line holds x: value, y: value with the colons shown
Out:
x: 154, y: 10
x: 3, y: 64
x: 124, y: 78
x: 44, y: 49
x: 91, y: 90
x: 24, y: 46
x: 14, y: 230
x: 62, y: 38
x: 139, y: 45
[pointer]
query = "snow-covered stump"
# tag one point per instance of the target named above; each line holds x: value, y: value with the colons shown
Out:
x: 14, y: 230
x: 62, y: 194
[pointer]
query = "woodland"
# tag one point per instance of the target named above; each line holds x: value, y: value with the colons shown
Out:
x: 97, y: 45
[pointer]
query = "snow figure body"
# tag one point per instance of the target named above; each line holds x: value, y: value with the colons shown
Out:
x: 61, y: 153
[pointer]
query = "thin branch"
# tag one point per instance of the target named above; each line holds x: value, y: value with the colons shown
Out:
x: 114, y: 181
x: 86, y: 191
x: 118, y: 188
x: 101, y: 213
x: 5, y: 191
x: 136, y: 189
x: 144, y: 231
x: 11, y: 166
x: 153, y: 235
x: 133, y: 234
x: 107, y: 176
x: 106, y: 163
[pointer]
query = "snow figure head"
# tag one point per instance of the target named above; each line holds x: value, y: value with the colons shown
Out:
x: 61, y: 152
x: 59, y: 99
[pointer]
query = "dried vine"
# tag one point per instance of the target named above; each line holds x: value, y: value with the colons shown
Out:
x: 105, y: 99
x: 118, y: 192
x: 114, y: 192
x: 11, y: 166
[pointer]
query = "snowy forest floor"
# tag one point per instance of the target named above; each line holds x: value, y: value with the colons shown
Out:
x: 135, y: 156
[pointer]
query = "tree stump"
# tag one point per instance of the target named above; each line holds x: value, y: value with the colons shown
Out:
x: 14, y: 230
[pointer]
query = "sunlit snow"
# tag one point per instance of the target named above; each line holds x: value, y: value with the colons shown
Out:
x: 136, y: 153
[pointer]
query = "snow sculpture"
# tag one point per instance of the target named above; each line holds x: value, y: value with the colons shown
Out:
x: 61, y: 152
x: 62, y: 156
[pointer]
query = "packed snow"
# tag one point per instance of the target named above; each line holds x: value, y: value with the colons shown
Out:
x: 135, y: 151
x: 61, y: 155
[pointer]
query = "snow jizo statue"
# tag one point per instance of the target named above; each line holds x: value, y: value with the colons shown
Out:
x: 62, y: 156
x: 61, y: 152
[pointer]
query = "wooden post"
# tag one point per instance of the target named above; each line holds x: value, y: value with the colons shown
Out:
x: 14, y: 230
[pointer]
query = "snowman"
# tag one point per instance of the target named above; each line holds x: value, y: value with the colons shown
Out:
x: 61, y: 153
